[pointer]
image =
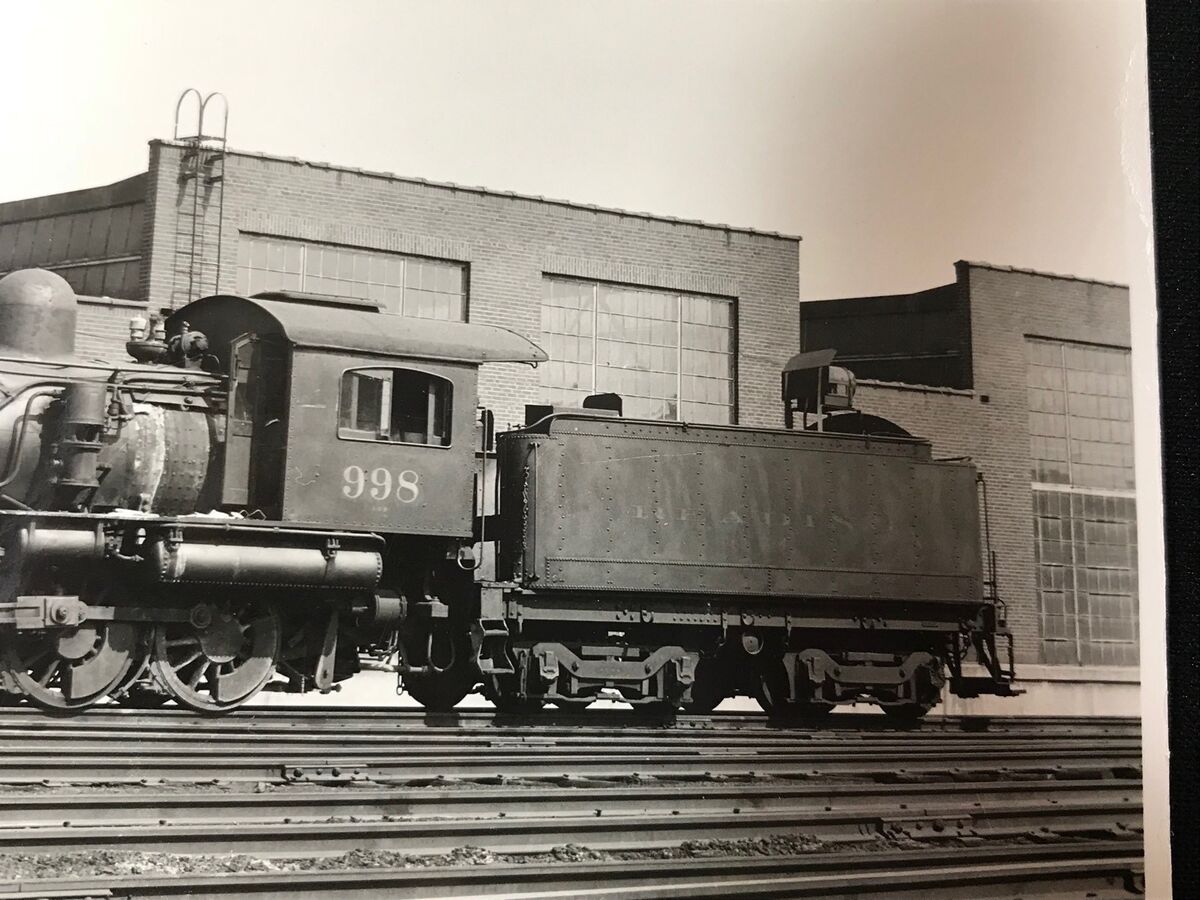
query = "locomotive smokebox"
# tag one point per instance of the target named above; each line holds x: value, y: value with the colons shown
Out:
x: 37, y: 315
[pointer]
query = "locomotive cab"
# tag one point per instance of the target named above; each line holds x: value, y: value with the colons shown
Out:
x: 341, y: 415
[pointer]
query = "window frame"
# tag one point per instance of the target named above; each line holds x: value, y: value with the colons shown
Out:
x: 677, y: 349
x: 1083, y: 648
x: 363, y: 436
x: 403, y: 259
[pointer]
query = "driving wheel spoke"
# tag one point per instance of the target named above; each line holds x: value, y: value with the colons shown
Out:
x: 70, y: 668
x: 44, y: 678
x: 200, y: 672
x: 233, y: 652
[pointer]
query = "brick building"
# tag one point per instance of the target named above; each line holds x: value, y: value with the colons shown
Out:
x: 685, y: 319
x: 1028, y: 374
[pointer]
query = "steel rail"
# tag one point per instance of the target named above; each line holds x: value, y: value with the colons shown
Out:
x: 510, y: 762
x: 87, y: 741
x: 612, y: 832
x: 82, y: 737
x: 1106, y: 869
x: 571, y: 799
x: 598, y: 719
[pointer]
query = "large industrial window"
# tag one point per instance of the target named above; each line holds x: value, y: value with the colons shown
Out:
x: 395, y: 405
x: 669, y: 355
x: 98, y: 252
x: 1081, y: 446
x: 405, y: 285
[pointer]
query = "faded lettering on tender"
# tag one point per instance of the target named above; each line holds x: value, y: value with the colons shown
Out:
x: 732, y: 517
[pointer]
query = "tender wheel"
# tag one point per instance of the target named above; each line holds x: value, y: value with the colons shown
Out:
x: 772, y: 692
x: 928, y: 693
x: 709, y: 688
x: 773, y: 697
x: 502, y: 691
x: 439, y: 692
x: 574, y: 705
x: 70, y: 668
x: 444, y: 690
x: 220, y: 659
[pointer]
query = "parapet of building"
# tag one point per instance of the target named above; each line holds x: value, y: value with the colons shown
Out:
x: 1028, y: 374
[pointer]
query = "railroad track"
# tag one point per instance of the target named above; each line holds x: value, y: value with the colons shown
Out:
x: 1035, y: 797
x: 1101, y: 871
x: 550, y: 719
x: 583, y: 729
x: 536, y: 762
x: 573, y: 797
x: 169, y: 746
x: 601, y: 827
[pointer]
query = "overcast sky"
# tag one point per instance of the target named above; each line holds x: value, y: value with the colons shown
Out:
x: 895, y: 137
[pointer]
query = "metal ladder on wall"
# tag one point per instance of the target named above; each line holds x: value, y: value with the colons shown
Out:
x: 200, y: 201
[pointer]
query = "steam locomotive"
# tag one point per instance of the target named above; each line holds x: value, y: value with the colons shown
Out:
x: 279, y: 486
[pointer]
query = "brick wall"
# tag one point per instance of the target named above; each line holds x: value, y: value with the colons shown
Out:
x: 102, y: 327
x: 507, y: 241
x: 1006, y: 306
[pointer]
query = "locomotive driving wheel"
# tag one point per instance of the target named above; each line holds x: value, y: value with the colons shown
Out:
x: 69, y: 668
x: 220, y: 658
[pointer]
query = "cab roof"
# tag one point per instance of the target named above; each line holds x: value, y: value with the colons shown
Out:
x: 352, y: 328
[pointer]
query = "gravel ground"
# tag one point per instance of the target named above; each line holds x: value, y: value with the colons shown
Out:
x: 115, y: 863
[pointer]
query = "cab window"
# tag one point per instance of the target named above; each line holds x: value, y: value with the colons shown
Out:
x: 399, y: 406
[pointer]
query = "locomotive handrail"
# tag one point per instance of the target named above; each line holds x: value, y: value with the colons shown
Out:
x: 482, y: 480
x: 993, y: 576
x: 122, y: 368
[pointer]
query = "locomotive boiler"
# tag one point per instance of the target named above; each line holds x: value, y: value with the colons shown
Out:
x: 275, y: 485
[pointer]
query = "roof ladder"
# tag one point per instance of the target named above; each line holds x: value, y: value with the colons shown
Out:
x: 200, y: 200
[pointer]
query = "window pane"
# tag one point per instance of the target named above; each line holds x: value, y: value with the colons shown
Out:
x: 636, y: 335
x: 395, y: 405
x: 1086, y: 552
x: 266, y: 263
x: 1081, y: 437
x: 1076, y: 394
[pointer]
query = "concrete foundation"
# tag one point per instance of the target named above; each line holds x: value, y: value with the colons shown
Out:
x: 1061, y: 691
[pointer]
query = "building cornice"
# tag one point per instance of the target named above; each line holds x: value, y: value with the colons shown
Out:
x: 976, y: 264
x: 489, y: 192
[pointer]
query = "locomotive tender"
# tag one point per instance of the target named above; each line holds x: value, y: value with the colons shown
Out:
x: 284, y: 482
